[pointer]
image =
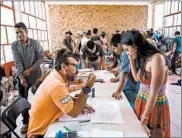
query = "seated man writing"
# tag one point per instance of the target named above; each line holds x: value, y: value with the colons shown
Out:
x: 52, y: 98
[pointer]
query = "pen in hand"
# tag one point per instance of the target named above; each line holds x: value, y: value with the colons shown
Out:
x: 84, y: 121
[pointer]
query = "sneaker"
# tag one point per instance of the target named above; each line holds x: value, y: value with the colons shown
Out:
x: 24, y: 129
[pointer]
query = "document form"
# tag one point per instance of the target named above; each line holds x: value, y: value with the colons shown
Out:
x: 106, y: 112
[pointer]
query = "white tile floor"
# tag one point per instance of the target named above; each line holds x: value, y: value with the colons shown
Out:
x: 174, y: 96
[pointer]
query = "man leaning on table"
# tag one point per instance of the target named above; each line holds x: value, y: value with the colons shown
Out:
x: 52, y: 98
x: 127, y: 83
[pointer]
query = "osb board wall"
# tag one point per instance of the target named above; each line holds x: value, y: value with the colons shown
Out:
x: 108, y: 18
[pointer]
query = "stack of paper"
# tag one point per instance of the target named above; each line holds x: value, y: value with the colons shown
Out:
x: 106, y: 112
x: 66, y: 118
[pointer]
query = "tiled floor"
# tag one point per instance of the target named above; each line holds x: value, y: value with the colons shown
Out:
x: 174, y: 96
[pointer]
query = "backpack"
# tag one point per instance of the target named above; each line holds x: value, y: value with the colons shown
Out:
x: 36, y: 85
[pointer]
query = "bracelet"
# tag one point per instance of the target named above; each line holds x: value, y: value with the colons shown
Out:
x: 145, y: 117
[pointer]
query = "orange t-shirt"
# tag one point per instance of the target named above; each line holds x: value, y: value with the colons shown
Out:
x: 51, y: 101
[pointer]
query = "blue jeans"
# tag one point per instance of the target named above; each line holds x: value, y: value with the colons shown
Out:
x: 131, y: 96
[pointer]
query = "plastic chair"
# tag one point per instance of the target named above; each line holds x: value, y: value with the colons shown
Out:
x: 11, y: 113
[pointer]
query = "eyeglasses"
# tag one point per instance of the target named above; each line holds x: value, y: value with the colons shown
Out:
x: 71, y: 64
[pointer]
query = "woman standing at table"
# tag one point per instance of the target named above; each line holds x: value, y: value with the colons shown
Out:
x: 151, y: 106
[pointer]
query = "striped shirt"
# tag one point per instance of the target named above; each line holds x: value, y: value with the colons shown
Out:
x: 27, y: 56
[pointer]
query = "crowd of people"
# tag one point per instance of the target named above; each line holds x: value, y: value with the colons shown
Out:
x: 132, y: 56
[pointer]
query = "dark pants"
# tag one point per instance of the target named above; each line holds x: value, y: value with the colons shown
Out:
x: 174, y: 59
x: 38, y: 136
x: 23, y: 92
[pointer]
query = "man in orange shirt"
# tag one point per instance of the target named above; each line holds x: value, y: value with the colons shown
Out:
x: 52, y: 98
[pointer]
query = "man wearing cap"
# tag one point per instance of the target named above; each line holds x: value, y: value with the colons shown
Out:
x: 92, y: 55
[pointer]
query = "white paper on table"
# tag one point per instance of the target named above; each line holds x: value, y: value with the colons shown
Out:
x: 103, y: 133
x: 85, y: 70
x: 102, y: 75
x: 100, y: 133
x: 66, y: 118
x: 106, y: 112
x: 51, y: 135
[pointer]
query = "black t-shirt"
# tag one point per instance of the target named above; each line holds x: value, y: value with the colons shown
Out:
x: 95, y: 38
x: 2, y: 72
x: 86, y: 54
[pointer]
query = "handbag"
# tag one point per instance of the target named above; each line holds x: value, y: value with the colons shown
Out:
x: 36, y: 85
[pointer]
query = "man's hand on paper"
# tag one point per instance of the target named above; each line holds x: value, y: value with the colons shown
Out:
x: 117, y: 95
x: 87, y: 109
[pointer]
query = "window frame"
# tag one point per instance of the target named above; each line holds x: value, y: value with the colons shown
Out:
x: 174, y: 20
x: 42, y: 3
x: 3, y: 46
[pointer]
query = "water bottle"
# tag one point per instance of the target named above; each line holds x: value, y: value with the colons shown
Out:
x: 59, y: 134
x: 93, y: 92
x: 72, y: 134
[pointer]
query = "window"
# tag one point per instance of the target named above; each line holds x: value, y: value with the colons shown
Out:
x: 7, y: 3
x: 168, y: 21
x: 179, y: 6
x: 167, y: 7
x: 30, y: 33
x: 2, y: 55
x: 8, y: 34
x: 178, y: 19
x: 32, y: 13
x: 4, y: 39
x: 158, y: 18
x: 166, y: 32
x: 11, y: 34
x: 172, y: 18
x: 35, y: 18
x: 8, y: 53
x: 25, y: 19
x: 9, y: 14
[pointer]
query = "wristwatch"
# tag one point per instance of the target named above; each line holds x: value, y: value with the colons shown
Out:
x: 86, y: 90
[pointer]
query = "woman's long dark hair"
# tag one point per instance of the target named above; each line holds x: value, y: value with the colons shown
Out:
x: 144, y: 49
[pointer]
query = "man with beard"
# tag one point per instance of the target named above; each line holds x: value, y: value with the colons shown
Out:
x: 52, y: 99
